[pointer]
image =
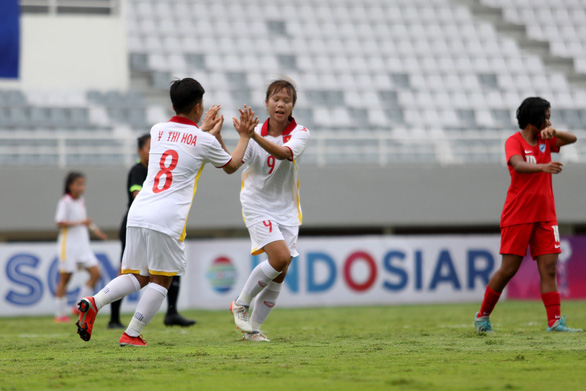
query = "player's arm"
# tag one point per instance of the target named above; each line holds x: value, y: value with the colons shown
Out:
x: 213, y: 125
x: 520, y: 165
x: 245, y: 128
x: 97, y: 231
x: 67, y: 224
x: 563, y: 138
x: 277, y: 151
x: 135, y: 182
x: 216, y: 132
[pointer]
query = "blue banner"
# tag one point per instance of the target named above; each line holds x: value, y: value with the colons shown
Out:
x: 9, y: 38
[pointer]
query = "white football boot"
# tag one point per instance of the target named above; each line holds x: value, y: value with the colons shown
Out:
x: 241, y: 317
x: 256, y: 337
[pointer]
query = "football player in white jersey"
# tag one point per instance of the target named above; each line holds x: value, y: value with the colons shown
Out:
x: 158, y: 216
x: 73, y: 244
x: 270, y: 206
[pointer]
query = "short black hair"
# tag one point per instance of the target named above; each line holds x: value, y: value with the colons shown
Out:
x: 185, y: 94
x: 142, y: 140
x: 70, y: 178
x: 532, y: 112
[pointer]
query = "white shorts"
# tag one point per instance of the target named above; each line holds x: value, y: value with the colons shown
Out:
x: 72, y: 260
x: 268, y: 231
x: 151, y: 252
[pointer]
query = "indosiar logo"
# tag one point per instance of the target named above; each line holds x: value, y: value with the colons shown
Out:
x: 222, y: 274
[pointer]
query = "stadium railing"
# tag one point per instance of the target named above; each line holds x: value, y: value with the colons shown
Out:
x: 93, y: 7
x: 326, y: 148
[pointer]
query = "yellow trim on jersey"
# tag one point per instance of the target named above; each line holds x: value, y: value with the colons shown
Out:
x: 63, y: 252
x: 298, y: 203
x: 257, y: 251
x: 129, y: 271
x: 184, y: 233
x: 168, y: 274
x: 244, y: 176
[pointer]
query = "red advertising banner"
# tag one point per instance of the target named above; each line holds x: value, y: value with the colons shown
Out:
x: 571, y: 273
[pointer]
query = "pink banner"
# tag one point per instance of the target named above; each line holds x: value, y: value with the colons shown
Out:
x: 571, y: 273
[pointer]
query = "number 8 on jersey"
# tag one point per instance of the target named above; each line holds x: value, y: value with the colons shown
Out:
x: 165, y: 170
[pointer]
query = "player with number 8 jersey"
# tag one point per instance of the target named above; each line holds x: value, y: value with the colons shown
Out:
x: 157, y: 218
x: 270, y: 206
x: 179, y: 151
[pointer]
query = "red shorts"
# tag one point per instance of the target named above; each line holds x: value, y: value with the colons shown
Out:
x: 542, y: 238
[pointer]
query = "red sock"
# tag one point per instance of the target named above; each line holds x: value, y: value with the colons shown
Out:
x: 490, y: 299
x: 552, y: 301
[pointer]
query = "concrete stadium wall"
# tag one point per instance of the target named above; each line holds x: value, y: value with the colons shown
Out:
x: 332, y: 196
x: 73, y: 52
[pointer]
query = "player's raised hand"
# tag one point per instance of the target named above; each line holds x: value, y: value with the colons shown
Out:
x: 553, y: 167
x: 215, y: 131
x: 548, y: 132
x: 211, y: 118
x: 245, y: 126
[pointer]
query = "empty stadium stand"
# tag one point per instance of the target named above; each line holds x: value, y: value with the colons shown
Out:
x: 380, y: 81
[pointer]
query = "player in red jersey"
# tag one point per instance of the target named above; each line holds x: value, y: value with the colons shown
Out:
x: 529, y: 217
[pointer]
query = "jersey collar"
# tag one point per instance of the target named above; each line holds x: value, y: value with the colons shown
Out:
x: 183, y: 120
x: 265, y: 127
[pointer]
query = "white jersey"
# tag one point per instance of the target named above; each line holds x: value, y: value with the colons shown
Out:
x: 179, y: 151
x: 270, y: 187
x: 73, y: 242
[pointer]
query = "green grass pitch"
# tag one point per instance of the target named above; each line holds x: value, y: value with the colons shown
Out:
x: 423, y: 347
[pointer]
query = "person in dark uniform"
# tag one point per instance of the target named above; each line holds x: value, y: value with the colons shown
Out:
x: 136, y: 178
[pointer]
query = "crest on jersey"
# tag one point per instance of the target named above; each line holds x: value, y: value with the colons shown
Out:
x: 286, y: 138
x: 542, y: 148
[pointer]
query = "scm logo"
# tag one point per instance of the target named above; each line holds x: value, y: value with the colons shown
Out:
x: 23, y: 271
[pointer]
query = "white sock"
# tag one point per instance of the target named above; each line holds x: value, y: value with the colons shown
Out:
x: 61, y: 306
x: 261, y: 275
x: 85, y: 291
x: 116, y: 289
x: 147, y: 307
x: 264, y: 304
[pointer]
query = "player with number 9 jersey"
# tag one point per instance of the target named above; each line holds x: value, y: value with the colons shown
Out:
x: 270, y: 206
x: 270, y: 187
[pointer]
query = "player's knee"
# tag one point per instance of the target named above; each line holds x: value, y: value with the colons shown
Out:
x: 281, y: 261
x: 549, y: 271
x: 508, y: 272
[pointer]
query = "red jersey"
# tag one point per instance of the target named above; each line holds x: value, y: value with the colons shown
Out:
x: 530, y: 196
